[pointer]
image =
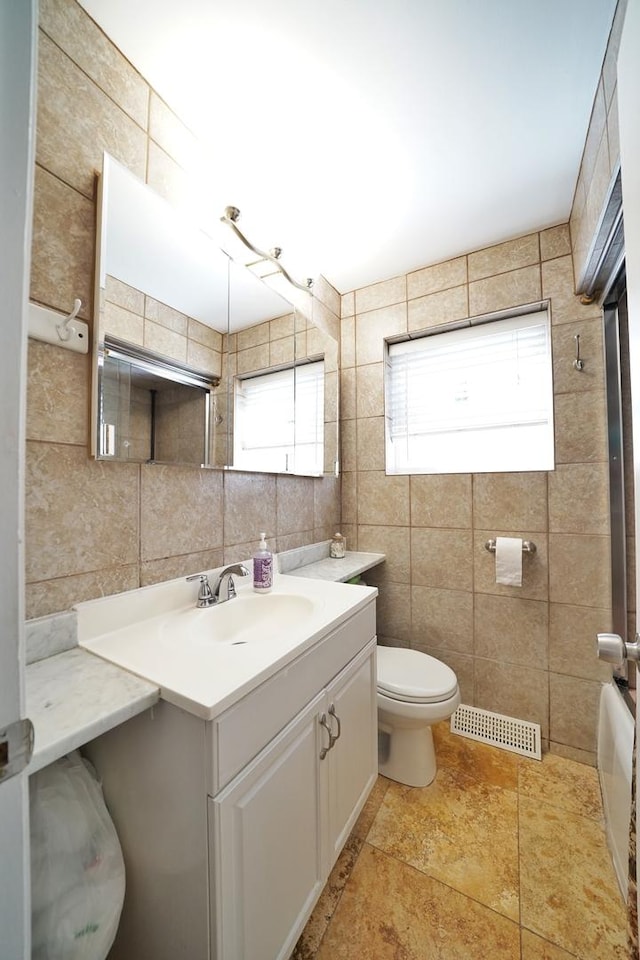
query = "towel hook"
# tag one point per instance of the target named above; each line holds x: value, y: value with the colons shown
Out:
x: 578, y: 363
x: 63, y: 326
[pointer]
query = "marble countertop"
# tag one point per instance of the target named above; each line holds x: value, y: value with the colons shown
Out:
x: 74, y: 696
x: 328, y: 568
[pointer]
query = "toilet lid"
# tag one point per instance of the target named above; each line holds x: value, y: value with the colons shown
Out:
x: 413, y: 676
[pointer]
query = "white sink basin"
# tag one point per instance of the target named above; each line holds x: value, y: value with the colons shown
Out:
x: 204, y: 659
x: 249, y: 618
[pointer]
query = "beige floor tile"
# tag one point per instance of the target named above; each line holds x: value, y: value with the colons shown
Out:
x: 535, y: 948
x: 568, y: 892
x: 473, y: 759
x: 323, y: 911
x: 458, y: 830
x: 307, y: 946
x: 389, y: 911
x: 563, y: 783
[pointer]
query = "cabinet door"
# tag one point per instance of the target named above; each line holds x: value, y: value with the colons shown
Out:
x: 353, y: 759
x: 265, y: 845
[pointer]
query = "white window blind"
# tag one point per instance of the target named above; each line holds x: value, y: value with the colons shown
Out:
x: 476, y: 399
x: 279, y: 420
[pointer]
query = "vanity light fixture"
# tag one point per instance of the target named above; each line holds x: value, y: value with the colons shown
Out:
x: 230, y: 217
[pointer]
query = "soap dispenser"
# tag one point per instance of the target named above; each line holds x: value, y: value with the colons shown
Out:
x: 262, y: 567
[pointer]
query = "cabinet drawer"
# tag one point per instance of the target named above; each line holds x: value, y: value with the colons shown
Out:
x: 244, y: 729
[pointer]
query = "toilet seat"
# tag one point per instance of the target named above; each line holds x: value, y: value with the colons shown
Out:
x: 411, y: 676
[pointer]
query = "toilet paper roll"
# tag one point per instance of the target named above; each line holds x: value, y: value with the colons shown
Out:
x: 509, y: 561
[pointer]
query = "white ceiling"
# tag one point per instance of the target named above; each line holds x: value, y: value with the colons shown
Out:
x: 371, y: 137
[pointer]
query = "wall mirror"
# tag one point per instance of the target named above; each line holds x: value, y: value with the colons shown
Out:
x: 188, y: 342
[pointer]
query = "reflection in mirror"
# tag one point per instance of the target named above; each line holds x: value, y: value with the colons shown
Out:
x: 166, y: 288
x: 151, y: 411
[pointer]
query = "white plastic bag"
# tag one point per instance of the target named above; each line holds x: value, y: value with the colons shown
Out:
x: 77, y: 869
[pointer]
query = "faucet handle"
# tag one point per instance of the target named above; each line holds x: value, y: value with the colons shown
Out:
x: 205, y: 595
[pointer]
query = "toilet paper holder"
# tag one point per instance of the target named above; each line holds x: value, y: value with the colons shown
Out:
x: 528, y: 546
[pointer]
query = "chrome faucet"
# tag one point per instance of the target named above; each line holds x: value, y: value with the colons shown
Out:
x: 224, y: 589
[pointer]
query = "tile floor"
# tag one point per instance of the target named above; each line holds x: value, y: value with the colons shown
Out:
x: 500, y: 858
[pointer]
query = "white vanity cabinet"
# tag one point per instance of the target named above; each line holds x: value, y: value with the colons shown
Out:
x: 230, y: 826
x: 279, y: 826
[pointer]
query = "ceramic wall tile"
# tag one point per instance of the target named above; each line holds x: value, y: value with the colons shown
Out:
x: 535, y: 566
x: 442, y: 618
x: 160, y: 339
x: 505, y: 500
x: 294, y: 504
x: 566, y: 379
x: 572, y: 632
x: 71, y: 29
x: 573, y: 702
x: 504, y: 257
x: 61, y: 593
x: 511, y: 630
x: 438, y: 309
x: 77, y: 122
x: 170, y: 568
x: 348, y: 393
x: 349, y: 496
x: 613, y: 135
x: 326, y: 503
x: 382, y: 294
x: 123, y: 295
x: 555, y: 242
x: 249, y: 507
x: 58, y: 395
x: 441, y: 500
x: 166, y: 316
x: 513, y: 690
x: 442, y: 558
x: 558, y: 285
x: 373, y: 327
x: 394, y: 542
x: 190, y: 502
x: 370, y: 390
x: 203, y: 358
x: 122, y: 324
x: 440, y: 276
x: 348, y: 436
x: 580, y: 427
x: 382, y: 499
x: 393, y: 614
x: 579, y: 498
x: 504, y: 291
x: 65, y: 525
x: 579, y: 570
x: 174, y: 137
x: 588, y: 758
x: 63, y: 244
x: 347, y: 305
x: 370, y: 443
x: 327, y: 294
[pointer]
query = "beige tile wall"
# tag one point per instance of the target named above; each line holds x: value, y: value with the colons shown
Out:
x: 95, y: 528
x: 526, y: 652
x: 601, y: 156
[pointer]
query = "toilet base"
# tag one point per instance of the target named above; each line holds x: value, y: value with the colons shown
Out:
x: 410, y: 758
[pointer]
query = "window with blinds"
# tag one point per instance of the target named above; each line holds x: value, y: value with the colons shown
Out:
x: 472, y: 400
x: 279, y: 420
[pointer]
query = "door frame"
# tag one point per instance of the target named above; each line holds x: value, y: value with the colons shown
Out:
x: 18, y: 23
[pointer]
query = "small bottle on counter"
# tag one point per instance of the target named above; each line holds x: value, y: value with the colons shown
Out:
x: 338, y: 547
x: 262, y: 567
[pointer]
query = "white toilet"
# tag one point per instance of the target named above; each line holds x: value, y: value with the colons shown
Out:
x: 414, y: 691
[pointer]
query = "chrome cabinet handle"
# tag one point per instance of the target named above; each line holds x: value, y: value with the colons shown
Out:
x: 332, y: 713
x: 323, y: 723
